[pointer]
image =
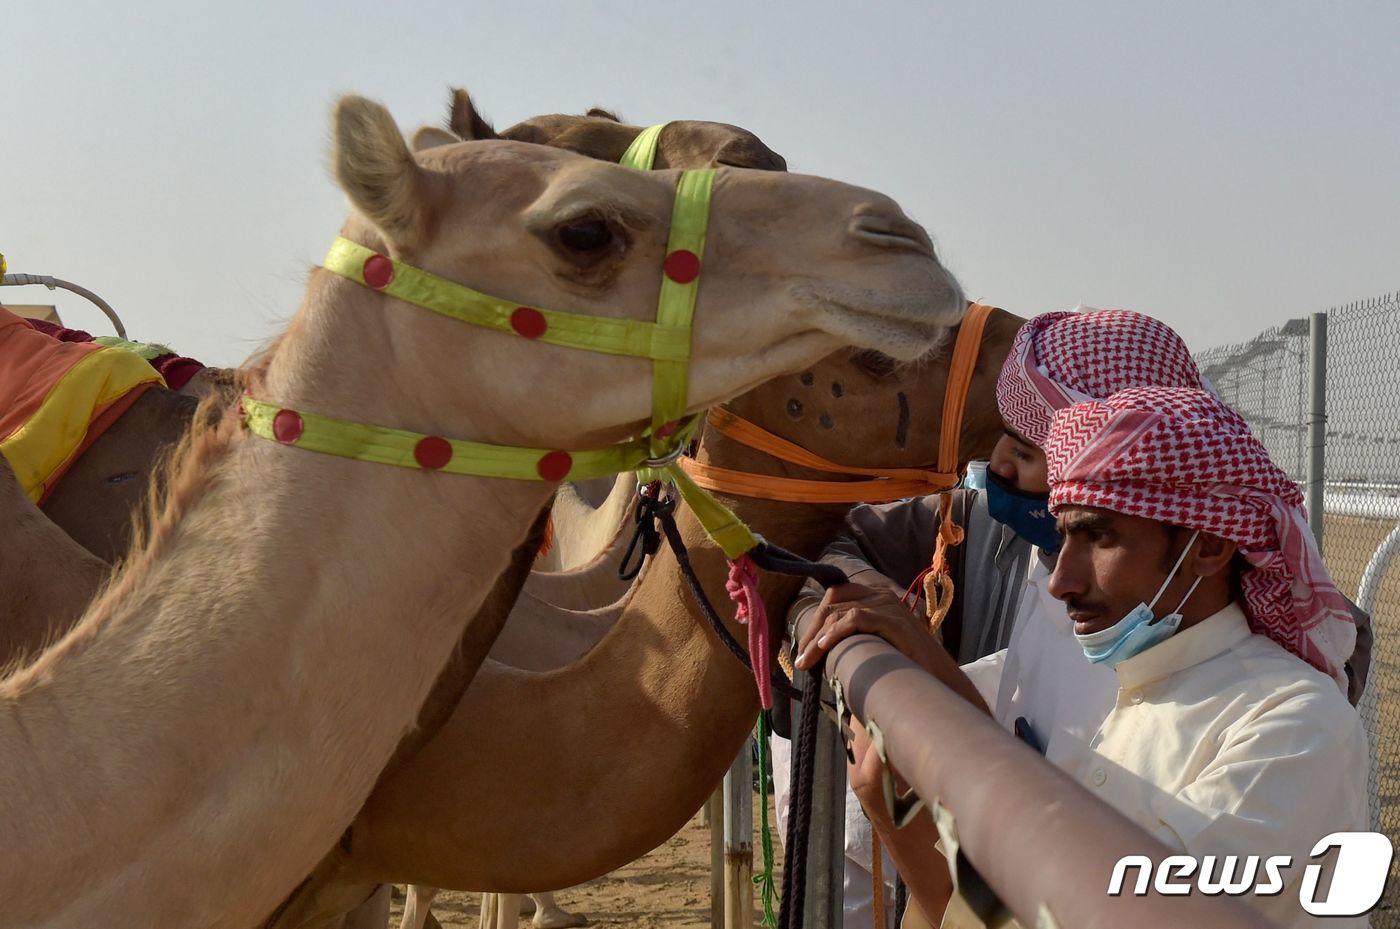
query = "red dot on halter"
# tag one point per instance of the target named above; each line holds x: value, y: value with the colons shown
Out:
x: 668, y: 430
x: 287, y: 426
x: 528, y: 322
x: 555, y: 466
x: 378, y: 271
x: 432, y: 452
x: 682, y: 266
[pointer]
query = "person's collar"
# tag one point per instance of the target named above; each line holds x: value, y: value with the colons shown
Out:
x: 1212, y: 636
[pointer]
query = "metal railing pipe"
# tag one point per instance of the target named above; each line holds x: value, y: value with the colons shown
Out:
x: 1035, y: 836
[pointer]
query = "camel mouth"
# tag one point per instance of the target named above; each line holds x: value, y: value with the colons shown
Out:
x: 906, y: 327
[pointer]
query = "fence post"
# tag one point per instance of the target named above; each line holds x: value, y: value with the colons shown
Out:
x: 826, y: 844
x: 738, y: 841
x: 1317, y: 423
x: 715, y: 815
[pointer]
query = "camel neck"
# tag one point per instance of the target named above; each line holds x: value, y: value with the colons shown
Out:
x: 254, y: 664
x: 659, y: 685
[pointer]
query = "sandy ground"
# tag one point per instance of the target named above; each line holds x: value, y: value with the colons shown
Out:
x: 668, y: 887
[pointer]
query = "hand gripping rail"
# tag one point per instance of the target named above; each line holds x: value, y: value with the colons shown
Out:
x: 1044, y: 844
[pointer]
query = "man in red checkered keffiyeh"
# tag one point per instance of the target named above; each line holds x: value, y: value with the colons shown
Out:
x: 1183, y: 457
x: 1065, y: 357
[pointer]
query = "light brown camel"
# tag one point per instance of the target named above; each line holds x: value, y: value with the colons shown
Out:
x: 255, y: 740
x: 97, y: 496
x: 46, y: 578
x: 94, y: 502
x: 548, y: 779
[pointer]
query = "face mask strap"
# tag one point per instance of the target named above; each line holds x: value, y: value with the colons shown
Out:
x: 1171, y: 574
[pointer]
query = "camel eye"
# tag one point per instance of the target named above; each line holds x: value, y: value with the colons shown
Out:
x: 586, y: 236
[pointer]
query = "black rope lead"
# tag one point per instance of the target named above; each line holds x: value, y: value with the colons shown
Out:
x: 650, y: 505
x: 790, y: 914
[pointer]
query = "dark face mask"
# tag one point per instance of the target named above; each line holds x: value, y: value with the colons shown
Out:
x: 1027, y: 514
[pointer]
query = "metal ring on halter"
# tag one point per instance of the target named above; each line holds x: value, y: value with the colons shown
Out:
x: 666, y: 460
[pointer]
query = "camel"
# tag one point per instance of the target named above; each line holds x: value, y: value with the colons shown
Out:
x: 95, y: 502
x: 617, y: 750
x: 212, y: 734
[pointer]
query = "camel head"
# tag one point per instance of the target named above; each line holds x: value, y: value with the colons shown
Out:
x: 793, y: 268
x: 687, y: 143
x: 862, y: 408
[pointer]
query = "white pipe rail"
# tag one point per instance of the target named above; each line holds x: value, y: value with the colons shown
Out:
x: 1040, y: 840
x: 45, y: 280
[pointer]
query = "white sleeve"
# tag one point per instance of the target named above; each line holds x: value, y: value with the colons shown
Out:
x: 985, y: 674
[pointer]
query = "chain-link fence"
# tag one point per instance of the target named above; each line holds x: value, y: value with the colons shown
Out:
x: 1268, y: 380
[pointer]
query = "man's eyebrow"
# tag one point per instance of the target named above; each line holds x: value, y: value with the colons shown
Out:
x: 1082, y: 522
x: 1013, y: 434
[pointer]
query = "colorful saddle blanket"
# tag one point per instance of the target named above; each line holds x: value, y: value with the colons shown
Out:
x: 57, y: 397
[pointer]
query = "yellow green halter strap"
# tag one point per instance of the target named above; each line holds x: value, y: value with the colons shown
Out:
x: 666, y: 342
x: 641, y: 154
x: 421, y: 288
x: 675, y: 308
x: 397, y: 447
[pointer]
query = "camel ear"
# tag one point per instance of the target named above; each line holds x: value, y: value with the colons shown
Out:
x: 432, y: 137
x: 600, y: 113
x: 377, y: 171
x: 463, y: 119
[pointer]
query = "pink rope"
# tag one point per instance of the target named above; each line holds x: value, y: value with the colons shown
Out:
x: 742, y: 586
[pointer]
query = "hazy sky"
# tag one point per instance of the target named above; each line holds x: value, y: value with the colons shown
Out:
x: 1222, y: 165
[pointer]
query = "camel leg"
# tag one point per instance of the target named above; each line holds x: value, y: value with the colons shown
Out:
x: 549, y: 915
x: 489, y: 906
x: 373, y: 913
x: 416, y: 906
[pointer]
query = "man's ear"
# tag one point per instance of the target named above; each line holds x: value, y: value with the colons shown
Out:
x: 1210, y: 555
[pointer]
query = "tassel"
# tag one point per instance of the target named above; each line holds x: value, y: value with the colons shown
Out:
x: 743, y: 590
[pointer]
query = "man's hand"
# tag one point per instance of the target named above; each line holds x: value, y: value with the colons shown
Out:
x: 850, y: 609
x: 864, y: 775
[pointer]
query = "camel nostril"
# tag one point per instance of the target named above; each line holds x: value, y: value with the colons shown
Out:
x: 887, y: 227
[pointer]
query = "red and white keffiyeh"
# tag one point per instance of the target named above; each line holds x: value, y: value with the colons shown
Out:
x: 1065, y: 357
x: 1183, y: 457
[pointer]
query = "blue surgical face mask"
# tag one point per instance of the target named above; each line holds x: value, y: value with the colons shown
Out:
x: 1027, y: 514
x: 1138, y: 631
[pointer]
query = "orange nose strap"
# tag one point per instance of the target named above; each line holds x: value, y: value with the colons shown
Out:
x: 882, y: 484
